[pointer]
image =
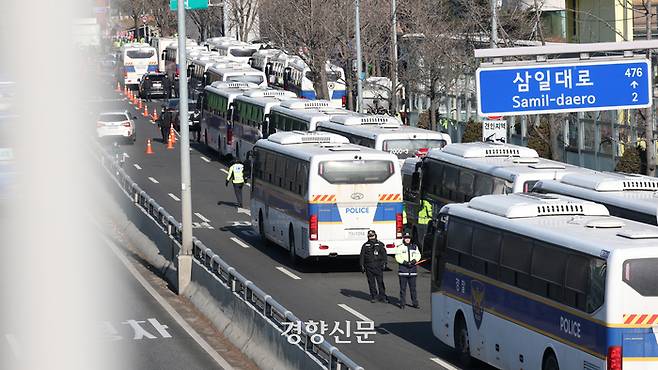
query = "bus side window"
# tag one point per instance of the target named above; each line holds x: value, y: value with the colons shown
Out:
x: 515, y: 259
x: 499, y: 186
x: 291, y: 174
x: 465, y: 191
x: 576, y: 282
x: 450, y: 180
x: 279, y: 170
x: 302, y: 178
x: 486, y: 246
x: 269, y: 167
x: 483, y: 185
x: 548, y: 271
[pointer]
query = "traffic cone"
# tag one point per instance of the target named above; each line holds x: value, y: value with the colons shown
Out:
x: 170, y: 142
x: 146, y: 112
x: 125, y: 90
x: 172, y: 133
x: 118, y: 87
x: 155, y: 114
x: 149, y: 148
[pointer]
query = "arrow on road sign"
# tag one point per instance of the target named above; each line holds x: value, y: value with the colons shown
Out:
x: 634, y: 84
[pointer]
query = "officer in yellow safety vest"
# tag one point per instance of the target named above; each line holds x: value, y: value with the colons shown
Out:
x: 236, y: 176
x: 407, y: 256
x: 425, y: 213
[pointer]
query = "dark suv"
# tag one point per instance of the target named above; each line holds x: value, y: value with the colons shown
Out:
x: 154, y: 84
x: 169, y: 116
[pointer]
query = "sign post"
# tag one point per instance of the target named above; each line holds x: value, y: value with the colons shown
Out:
x: 494, y: 131
x: 538, y: 88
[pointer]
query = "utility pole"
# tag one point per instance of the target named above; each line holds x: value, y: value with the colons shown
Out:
x: 494, y: 23
x: 651, y: 144
x: 359, y: 83
x: 185, y: 255
x: 394, y: 59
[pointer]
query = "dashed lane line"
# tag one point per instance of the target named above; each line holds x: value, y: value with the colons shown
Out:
x: 205, y: 159
x: 199, y: 215
x: 446, y: 365
x: 282, y: 269
x: 137, y: 166
x: 223, y: 170
x: 353, y: 312
x: 174, y: 197
x: 154, y: 180
x: 240, y: 242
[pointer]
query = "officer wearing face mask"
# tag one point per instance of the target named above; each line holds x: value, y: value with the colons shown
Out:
x: 373, y: 264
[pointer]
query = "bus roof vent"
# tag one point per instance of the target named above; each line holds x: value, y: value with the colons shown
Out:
x: 488, y: 150
x: 605, y: 223
x: 638, y: 234
x: 304, y: 137
x: 610, y: 181
x: 522, y: 205
x: 377, y: 119
x: 270, y: 93
x: 547, y: 166
x: 305, y: 104
x: 233, y: 85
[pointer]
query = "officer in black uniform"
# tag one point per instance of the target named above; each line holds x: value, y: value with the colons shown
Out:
x: 373, y: 263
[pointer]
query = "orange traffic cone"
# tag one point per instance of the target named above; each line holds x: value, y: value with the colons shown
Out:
x: 146, y: 111
x: 118, y: 87
x: 172, y: 133
x: 155, y: 114
x: 139, y: 103
x: 149, y: 148
x: 170, y: 142
x: 125, y: 90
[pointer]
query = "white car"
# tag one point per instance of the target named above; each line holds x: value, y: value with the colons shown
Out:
x: 116, y: 125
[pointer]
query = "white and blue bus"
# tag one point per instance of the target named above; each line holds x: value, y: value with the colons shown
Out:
x: 461, y: 171
x: 136, y: 60
x: 385, y: 133
x: 298, y: 78
x: 630, y: 196
x: 250, y: 116
x: 301, y: 115
x: 317, y: 195
x: 545, y: 281
x: 217, y: 114
x: 235, y: 72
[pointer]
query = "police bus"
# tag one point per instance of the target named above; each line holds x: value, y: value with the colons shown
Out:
x: 237, y: 72
x: 217, y: 114
x: 298, y: 78
x: 262, y: 61
x: 250, y: 116
x: 237, y: 51
x: 461, y: 171
x: 385, y: 133
x: 136, y: 60
x: 301, y: 114
x: 543, y: 281
x: 317, y: 195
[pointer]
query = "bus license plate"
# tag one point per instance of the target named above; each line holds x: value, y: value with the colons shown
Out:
x: 356, y: 234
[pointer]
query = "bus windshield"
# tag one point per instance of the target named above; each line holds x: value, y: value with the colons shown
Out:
x: 140, y: 54
x: 242, y: 52
x: 407, y: 148
x: 641, y: 275
x: 356, y: 172
x: 257, y: 79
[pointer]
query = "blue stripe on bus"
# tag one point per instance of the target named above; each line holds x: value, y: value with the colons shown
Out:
x: 152, y: 68
x: 310, y: 94
x: 338, y: 94
x: 387, y: 211
x: 130, y: 69
x: 327, y: 212
x: 539, y: 315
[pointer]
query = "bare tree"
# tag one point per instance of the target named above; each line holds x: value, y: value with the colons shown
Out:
x: 164, y: 18
x: 134, y: 9
x: 206, y: 20
x: 243, y: 17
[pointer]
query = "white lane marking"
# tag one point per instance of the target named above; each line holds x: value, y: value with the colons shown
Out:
x: 446, y: 365
x: 137, y: 166
x: 154, y: 180
x: 174, y: 197
x: 199, y: 215
x: 126, y: 155
x: 282, y: 269
x: 353, y: 311
x: 248, y: 184
x: 240, y: 243
x: 170, y: 310
x: 205, y: 159
x: 13, y: 344
x: 245, y: 211
x: 223, y: 170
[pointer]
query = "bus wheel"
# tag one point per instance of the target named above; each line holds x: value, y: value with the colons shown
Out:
x: 294, y: 260
x: 550, y: 362
x: 462, y: 343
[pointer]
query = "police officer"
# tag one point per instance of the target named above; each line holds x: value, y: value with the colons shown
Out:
x: 236, y: 176
x: 373, y: 263
x: 407, y: 255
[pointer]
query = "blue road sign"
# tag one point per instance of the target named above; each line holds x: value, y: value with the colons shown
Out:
x: 554, y: 88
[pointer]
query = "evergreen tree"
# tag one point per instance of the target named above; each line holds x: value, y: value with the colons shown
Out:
x: 472, y: 132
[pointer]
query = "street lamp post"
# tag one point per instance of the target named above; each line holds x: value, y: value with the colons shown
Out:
x: 357, y: 36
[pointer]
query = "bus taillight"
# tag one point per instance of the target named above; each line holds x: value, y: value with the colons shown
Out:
x: 614, y: 358
x: 313, y: 227
x: 229, y: 136
x: 398, y: 225
x: 344, y: 100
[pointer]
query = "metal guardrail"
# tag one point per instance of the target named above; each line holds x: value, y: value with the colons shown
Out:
x: 328, y: 355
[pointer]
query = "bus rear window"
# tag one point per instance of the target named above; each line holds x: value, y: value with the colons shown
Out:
x: 140, y: 54
x: 356, y: 172
x: 407, y: 148
x: 242, y: 52
x: 641, y: 274
x: 257, y: 79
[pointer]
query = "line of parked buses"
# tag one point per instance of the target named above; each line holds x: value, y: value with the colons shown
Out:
x: 535, y: 264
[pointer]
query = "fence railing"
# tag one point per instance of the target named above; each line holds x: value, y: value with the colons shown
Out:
x: 328, y: 355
